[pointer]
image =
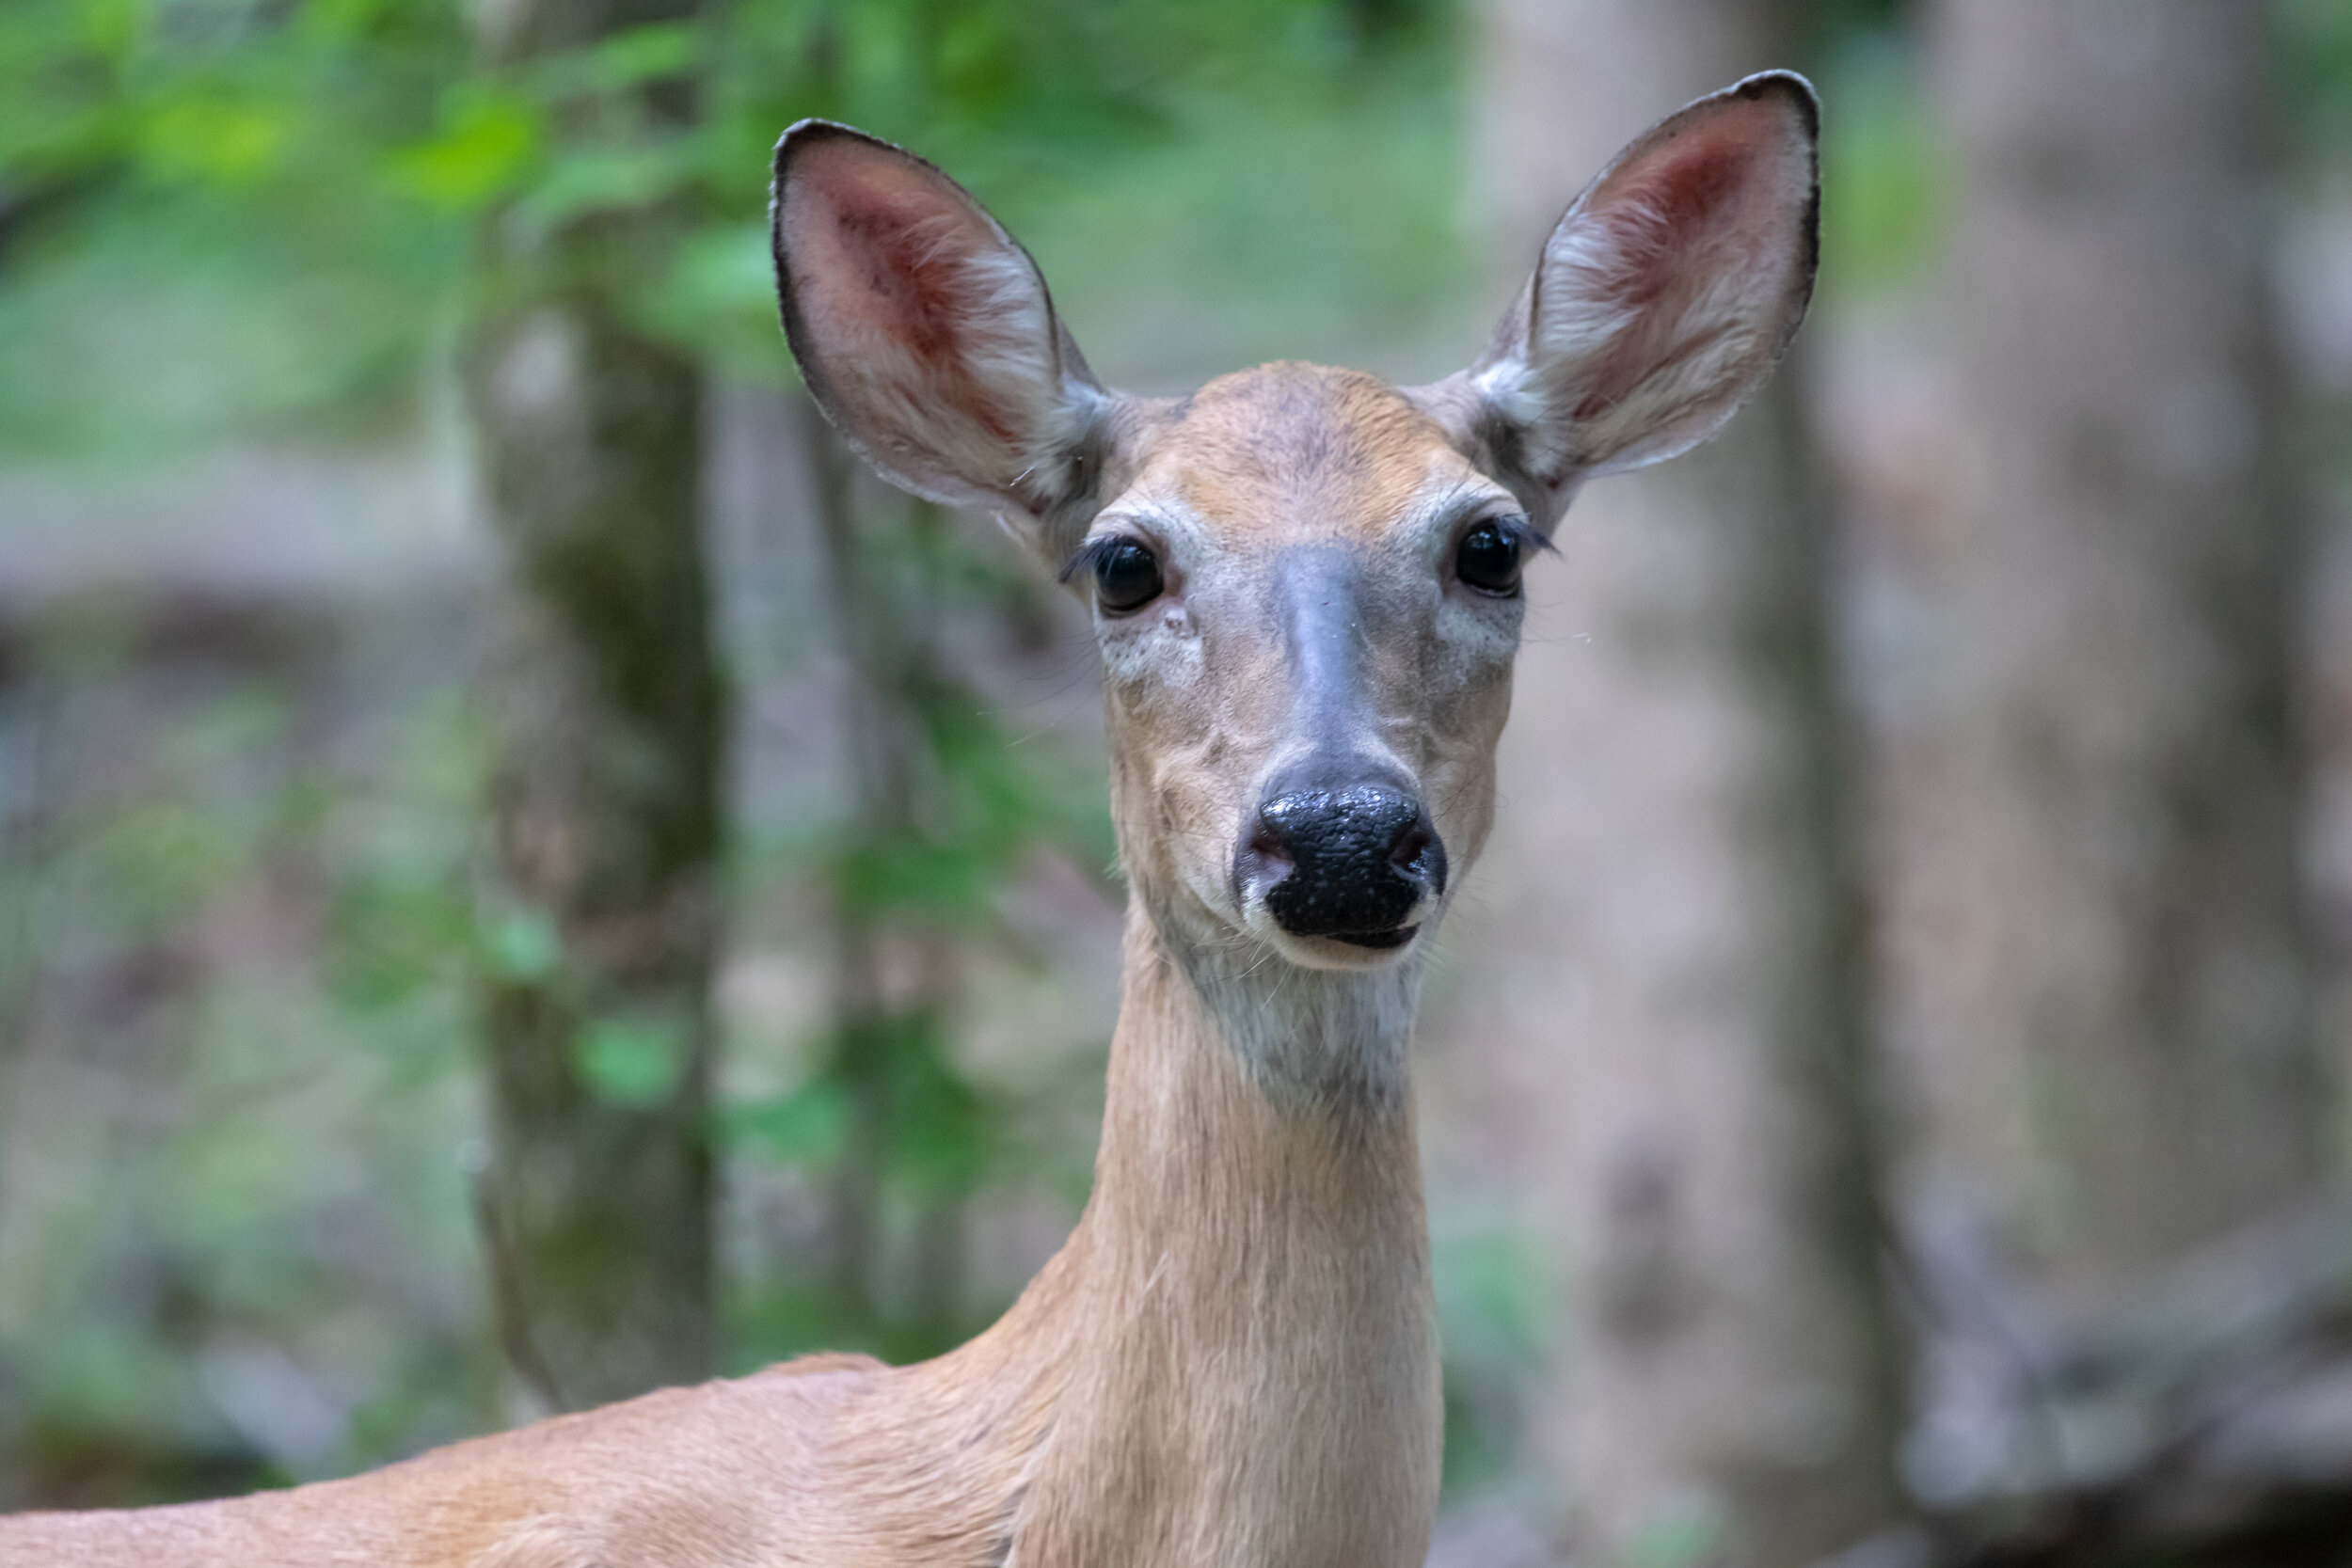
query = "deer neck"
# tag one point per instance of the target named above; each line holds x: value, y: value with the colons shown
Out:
x: 1246, y: 1304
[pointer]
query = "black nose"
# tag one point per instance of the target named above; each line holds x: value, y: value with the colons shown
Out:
x: 1359, y: 860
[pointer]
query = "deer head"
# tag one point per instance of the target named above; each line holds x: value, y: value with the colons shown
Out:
x: 1305, y: 582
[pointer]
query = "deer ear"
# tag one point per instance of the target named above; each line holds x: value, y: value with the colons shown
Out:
x: 925, y: 331
x: 1662, y: 297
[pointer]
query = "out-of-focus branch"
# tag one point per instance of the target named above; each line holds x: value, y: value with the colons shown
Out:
x: 2210, y: 1423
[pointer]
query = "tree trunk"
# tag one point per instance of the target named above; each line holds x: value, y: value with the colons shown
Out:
x: 2102, y: 985
x: 1666, y: 928
x: 607, y: 714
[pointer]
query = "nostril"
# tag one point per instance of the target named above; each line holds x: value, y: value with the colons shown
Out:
x: 1418, y: 853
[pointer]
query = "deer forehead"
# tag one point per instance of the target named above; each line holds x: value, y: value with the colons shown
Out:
x: 1288, y: 454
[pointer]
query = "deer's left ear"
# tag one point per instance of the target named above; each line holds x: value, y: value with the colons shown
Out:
x: 1662, y: 298
x: 924, y: 330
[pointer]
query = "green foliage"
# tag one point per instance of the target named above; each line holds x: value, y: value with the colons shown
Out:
x: 988, y: 806
x: 253, y: 1191
x: 485, y: 142
x: 2313, y: 53
x: 1495, y: 1307
x: 274, y: 204
x: 939, y: 1141
x: 1833, y: 22
x: 914, y: 862
x: 1881, y: 182
x: 803, y: 1126
x: 202, y: 239
x: 1682, y: 1532
x: 630, y: 1061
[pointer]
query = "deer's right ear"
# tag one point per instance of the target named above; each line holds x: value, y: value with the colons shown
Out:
x: 925, y: 331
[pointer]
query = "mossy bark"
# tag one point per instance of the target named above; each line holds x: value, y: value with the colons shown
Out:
x: 607, y: 710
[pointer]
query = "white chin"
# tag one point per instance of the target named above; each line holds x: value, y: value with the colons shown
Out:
x: 1366, y: 952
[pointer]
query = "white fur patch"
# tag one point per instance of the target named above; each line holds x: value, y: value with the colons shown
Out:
x: 1159, y: 646
x: 1311, y: 1036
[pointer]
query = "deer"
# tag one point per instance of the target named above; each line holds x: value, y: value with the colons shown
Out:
x: 1306, y: 586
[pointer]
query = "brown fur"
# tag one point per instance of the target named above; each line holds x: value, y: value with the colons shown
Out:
x: 1290, y: 449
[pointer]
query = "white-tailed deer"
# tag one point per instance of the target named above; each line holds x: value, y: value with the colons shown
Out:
x: 1306, y: 586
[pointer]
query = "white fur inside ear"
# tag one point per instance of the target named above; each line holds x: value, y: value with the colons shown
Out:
x: 992, y: 414
x: 1631, y: 383
x: 1666, y: 293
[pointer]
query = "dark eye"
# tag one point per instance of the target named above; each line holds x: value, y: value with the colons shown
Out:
x: 1126, y: 576
x: 1489, y: 558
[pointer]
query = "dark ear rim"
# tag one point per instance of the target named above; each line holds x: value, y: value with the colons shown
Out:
x: 798, y: 139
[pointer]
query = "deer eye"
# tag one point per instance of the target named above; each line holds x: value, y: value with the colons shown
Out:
x: 1126, y: 576
x: 1487, y: 559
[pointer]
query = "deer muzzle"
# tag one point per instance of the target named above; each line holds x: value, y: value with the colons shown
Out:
x: 1358, y: 864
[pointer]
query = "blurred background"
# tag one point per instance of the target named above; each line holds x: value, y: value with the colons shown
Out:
x: 525, y: 876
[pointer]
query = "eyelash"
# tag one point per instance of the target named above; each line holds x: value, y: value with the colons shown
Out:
x: 1512, y: 526
x: 1092, y: 551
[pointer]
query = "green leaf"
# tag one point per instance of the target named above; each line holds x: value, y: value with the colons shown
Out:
x: 215, y: 138
x: 1681, y: 1533
x: 596, y: 180
x: 804, y: 1127
x: 1879, y: 170
x: 522, y: 946
x: 718, y: 294
x: 485, y: 144
x: 641, y: 55
x: 397, y: 932
x: 940, y: 1140
x: 631, y: 1062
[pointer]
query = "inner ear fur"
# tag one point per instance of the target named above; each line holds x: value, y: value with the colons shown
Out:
x: 1662, y: 298
x: 925, y: 331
